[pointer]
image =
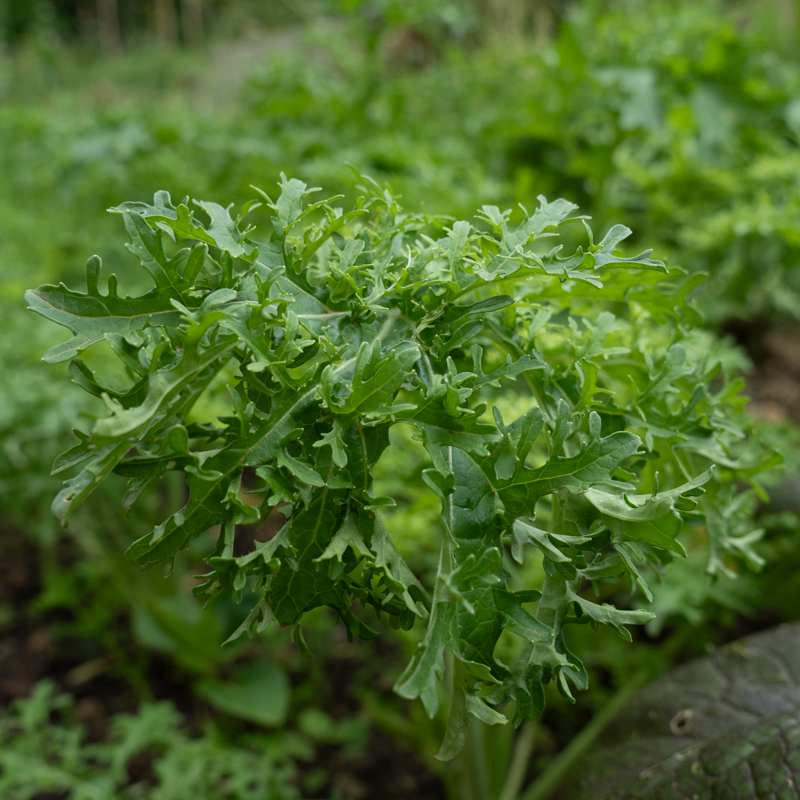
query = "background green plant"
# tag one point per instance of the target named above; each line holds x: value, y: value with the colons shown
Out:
x: 448, y: 128
x: 41, y: 754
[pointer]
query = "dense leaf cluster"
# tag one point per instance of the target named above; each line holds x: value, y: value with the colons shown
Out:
x: 45, y: 752
x: 344, y: 324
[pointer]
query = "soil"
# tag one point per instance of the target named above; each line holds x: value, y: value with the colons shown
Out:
x: 382, y: 771
x: 774, y: 383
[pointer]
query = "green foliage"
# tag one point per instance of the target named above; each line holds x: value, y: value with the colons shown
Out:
x: 39, y: 755
x: 344, y: 324
x: 684, y: 120
x: 679, y: 117
x: 690, y: 133
x: 728, y: 725
x: 260, y: 694
x: 609, y: 114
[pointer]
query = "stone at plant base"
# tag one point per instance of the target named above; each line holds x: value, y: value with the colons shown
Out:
x: 727, y: 727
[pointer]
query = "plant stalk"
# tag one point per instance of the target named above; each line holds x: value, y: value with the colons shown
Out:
x: 192, y: 21
x: 478, y: 769
x: 108, y: 25
x: 541, y: 788
x: 550, y: 605
x: 523, y: 748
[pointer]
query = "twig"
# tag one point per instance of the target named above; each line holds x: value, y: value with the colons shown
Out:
x: 86, y: 672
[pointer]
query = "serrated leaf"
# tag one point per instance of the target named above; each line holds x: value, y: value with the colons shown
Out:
x: 92, y: 316
x: 607, y: 614
x: 604, y: 256
x: 525, y: 533
x: 224, y: 231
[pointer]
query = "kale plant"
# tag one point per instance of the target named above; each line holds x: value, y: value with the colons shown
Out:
x: 343, y: 324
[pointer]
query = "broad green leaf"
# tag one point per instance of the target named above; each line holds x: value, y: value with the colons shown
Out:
x: 259, y: 694
x: 726, y: 726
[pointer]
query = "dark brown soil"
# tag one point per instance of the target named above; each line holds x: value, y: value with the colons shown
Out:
x: 383, y: 770
x: 26, y: 650
x: 774, y: 383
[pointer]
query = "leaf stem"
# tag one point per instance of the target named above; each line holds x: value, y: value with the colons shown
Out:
x: 541, y: 788
x: 523, y: 748
x: 391, y: 317
x: 479, y: 767
x: 550, y: 608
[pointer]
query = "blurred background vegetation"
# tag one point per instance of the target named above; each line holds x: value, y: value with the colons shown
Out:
x: 680, y: 119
